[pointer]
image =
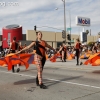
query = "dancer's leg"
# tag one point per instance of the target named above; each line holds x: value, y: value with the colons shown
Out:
x: 65, y: 56
x: 18, y: 68
x: 62, y: 56
x: 43, y: 63
x: 39, y: 70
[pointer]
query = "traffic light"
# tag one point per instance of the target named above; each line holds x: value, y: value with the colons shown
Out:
x: 35, y: 27
x: 69, y: 43
x: 68, y: 37
x: 63, y: 34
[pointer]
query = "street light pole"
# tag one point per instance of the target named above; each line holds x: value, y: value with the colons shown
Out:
x: 70, y: 24
x: 64, y: 18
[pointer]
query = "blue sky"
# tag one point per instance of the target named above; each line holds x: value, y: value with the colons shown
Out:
x: 42, y: 13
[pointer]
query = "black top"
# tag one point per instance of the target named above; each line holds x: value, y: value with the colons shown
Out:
x: 95, y: 48
x: 38, y: 46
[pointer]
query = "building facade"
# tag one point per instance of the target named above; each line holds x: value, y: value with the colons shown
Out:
x: 52, y: 38
x: 55, y: 38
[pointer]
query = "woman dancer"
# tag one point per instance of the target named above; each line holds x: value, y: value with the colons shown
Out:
x: 40, y: 58
x: 78, y: 49
x: 14, y: 48
x: 95, y: 48
x: 63, y: 50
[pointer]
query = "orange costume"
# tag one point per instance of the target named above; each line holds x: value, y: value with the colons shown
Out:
x: 77, y: 47
x: 14, y: 46
x: 40, y: 59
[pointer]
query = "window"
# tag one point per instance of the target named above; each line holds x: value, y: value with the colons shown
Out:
x: 9, y: 38
x: 59, y: 43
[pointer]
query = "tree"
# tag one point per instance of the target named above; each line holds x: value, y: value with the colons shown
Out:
x: 87, y: 32
x: 99, y: 33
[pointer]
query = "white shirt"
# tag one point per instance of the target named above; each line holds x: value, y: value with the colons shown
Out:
x: 98, y: 39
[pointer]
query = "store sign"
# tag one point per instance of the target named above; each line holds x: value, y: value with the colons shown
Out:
x: 82, y: 21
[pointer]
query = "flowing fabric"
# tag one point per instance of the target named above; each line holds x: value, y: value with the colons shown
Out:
x: 27, y: 59
x: 69, y: 56
x: 3, y: 61
x: 54, y: 57
x: 96, y: 63
x: 22, y: 59
x: 12, y: 59
x: 94, y: 60
x: 85, y: 56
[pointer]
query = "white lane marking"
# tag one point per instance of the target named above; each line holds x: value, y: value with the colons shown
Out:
x: 83, y: 68
x: 17, y: 74
x: 78, y: 84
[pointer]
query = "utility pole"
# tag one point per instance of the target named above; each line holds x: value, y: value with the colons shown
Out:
x: 64, y: 19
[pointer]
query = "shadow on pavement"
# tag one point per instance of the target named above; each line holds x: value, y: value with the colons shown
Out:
x: 24, y: 82
x: 96, y: 72
x: 27, y: 81
x: 50, y: 82
x: 66, y: 79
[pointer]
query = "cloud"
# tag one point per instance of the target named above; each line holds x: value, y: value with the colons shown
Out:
x: 43, y: 13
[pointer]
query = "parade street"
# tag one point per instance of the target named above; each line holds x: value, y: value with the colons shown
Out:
x: 65, y: 81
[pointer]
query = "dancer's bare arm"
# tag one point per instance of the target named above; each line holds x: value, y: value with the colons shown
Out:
x: 48, y: 46
x: 27, y: 47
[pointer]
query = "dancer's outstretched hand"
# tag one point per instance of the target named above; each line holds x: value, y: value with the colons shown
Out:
x: 18, y: 52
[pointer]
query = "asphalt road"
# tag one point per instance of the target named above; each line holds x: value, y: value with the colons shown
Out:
x: 65, y: 81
